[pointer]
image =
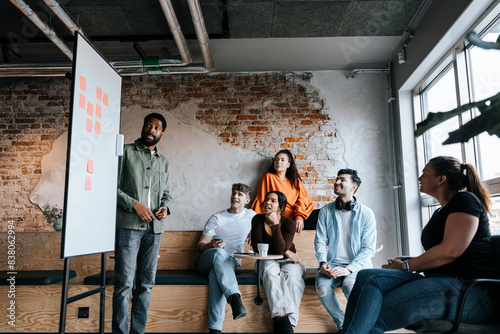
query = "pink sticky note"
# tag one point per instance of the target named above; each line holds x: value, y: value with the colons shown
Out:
x: 83, y: 85
x: 90, y: 166
x: 105, y: 99
x: 99, y: 94
x: 81, y: 101
x: 90, y: 110
x: 89, y: 125
x: 88, y: 183
x: 98, y: 110
x: 98, y: 127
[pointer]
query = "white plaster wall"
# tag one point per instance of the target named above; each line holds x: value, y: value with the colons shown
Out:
x: 359, y: 109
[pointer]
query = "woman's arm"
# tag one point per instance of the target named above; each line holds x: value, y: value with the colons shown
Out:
x: 459, y: 231
x: 256, y: 232
x: 303, y: 205
x: 261, y: 194
x: 283, y: 234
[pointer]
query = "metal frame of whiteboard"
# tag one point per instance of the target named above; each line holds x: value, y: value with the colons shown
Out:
x: 91, y: 188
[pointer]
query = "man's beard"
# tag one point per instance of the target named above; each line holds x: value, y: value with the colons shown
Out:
x: 150, y: 142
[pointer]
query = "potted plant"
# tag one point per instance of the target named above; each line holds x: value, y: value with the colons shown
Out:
x: 53, y: 215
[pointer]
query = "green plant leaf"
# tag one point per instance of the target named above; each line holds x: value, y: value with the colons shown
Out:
x: 488, y: 121
x: 436, y: 118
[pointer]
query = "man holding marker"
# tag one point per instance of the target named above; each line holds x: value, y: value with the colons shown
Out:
x: 344, y: 243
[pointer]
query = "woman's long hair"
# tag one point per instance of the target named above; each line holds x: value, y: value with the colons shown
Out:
x: 291, y: 173
x: 461, y: 176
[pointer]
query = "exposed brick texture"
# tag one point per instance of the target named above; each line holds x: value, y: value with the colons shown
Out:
x: 258, y: 112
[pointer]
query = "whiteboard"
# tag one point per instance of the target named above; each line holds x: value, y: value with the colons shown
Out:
x: 92, y: 164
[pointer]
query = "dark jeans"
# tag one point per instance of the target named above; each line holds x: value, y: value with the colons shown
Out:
x: 134, y: 247
x: 387, y: 299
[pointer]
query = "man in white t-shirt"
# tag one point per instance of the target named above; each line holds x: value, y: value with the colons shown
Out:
x: 225, y: 233
x: 344, y: 243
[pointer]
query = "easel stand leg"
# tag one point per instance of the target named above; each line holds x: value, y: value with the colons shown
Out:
x: 64, y: 297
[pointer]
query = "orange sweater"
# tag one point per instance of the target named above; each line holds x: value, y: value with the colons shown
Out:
x: 299, y: 205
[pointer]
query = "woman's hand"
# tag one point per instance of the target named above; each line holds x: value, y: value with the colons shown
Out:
x: 292, y: 256
x: 300, y: 225
x: 272, y: 219
x: 393, y: 264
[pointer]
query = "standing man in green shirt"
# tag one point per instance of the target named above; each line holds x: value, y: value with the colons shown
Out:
x: 143, y: 204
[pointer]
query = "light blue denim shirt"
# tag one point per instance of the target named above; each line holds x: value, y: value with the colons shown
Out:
x: 363, y: 236
x: 138, y: 170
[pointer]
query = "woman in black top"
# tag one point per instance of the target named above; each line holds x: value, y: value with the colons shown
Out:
x: 457, y: 246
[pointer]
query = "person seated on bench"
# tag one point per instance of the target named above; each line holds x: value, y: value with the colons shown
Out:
x: 225, y: 233
x: 345, y: 242
x: 283, y: 176
x: 283, y: 279
x: 457, y: 247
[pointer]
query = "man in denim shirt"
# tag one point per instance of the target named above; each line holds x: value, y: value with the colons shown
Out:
x: 344, y: 243
x: 143, y: 204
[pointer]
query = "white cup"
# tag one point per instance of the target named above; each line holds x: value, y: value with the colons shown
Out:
x: 263, y: 248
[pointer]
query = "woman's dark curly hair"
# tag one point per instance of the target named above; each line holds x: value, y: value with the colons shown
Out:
x: 292, y: 173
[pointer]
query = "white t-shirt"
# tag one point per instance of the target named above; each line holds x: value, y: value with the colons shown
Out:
x: 344, y: 248
x: 233, y: 228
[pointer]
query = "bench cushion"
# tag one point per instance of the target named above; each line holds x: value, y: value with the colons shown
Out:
x: 35, y: 277
x: 192, y: 277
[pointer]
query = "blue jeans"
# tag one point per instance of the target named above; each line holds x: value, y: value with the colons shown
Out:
x: 388, y: 299
x: 141, y: 248
x: 325, y: 288
x: 222, y: 283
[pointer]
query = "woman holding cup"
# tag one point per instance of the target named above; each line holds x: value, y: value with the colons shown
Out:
x: 282, y: 279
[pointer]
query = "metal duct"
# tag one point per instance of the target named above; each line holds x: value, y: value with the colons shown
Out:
x: 175, y: 28
x: 201, y: 34
x: 64, y: 17
x: 134, y: 67
x: 38, y: 22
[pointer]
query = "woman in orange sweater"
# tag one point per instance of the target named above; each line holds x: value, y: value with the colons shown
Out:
x: 283, y: 176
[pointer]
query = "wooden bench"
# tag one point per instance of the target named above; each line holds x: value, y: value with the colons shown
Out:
x: 176, y: 307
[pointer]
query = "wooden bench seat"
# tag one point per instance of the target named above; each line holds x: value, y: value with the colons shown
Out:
x: 192, y: 277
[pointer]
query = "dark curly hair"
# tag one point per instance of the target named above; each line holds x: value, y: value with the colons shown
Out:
x: 292, y: 173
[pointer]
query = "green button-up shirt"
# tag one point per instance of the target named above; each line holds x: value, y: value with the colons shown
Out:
x: 138, y: 171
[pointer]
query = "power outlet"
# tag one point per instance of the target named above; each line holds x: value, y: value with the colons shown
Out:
x: 83, y: 312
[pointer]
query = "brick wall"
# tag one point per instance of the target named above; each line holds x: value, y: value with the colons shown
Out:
x: 257, y: 112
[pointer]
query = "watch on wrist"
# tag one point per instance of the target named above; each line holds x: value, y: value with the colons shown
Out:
x: 405, y: 266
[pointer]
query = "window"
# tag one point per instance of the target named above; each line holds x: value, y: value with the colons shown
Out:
x: 467, y: 74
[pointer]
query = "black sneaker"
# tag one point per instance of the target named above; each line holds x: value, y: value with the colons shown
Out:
x: 237, y: 306
x: 282, y: 325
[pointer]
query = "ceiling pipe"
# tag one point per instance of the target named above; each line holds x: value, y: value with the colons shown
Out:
x: 134, y: 67
x: 201, y: 34
x: 40, y: 24
x: 175, y: 28
x: 64, y: 17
